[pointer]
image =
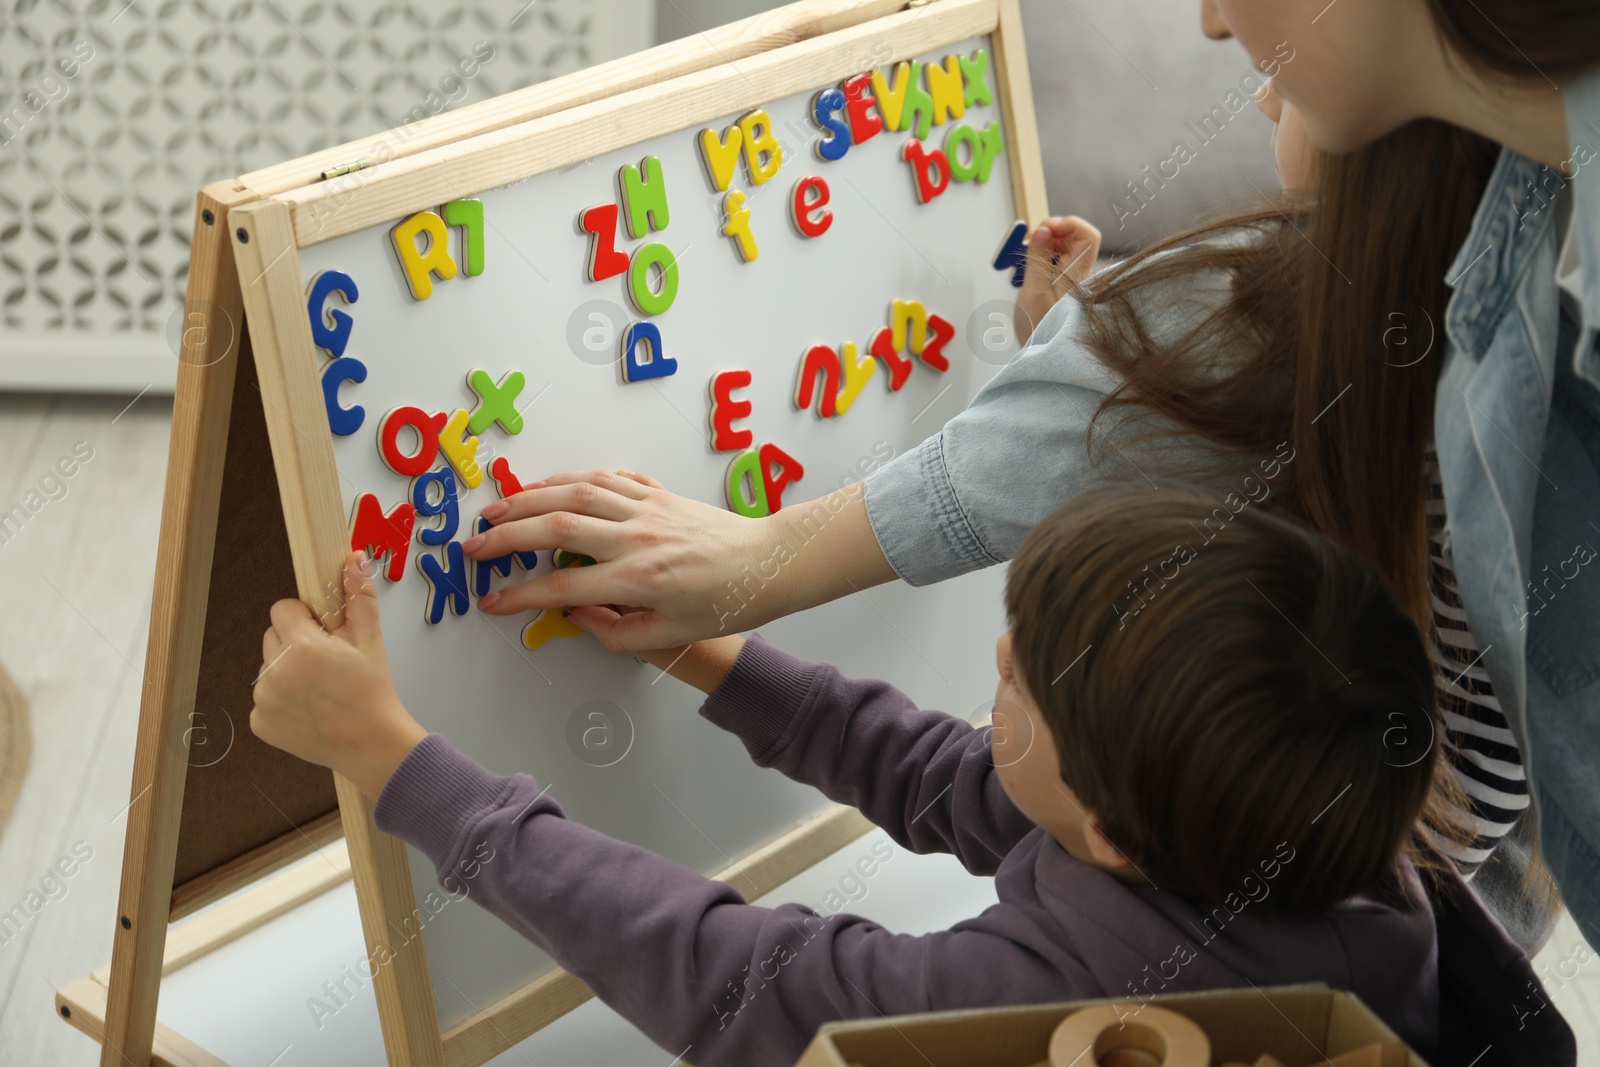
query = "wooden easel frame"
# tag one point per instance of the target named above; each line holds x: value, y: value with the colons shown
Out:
x: 294, y: 205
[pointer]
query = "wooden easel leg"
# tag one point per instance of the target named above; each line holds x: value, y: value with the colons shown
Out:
x: 210, y: 339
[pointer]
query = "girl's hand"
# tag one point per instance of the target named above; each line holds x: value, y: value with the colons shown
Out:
x: 1061, y: 255
x: 694, y: 570
x: 328, y: 697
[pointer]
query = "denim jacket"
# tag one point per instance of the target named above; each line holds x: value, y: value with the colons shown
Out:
x: 1517, y: 431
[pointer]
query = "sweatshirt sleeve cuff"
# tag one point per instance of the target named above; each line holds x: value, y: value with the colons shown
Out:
x: 762, y: 697
x: 434, y: 794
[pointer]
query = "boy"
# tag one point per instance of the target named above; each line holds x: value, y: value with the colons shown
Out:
x: 1204, y: 783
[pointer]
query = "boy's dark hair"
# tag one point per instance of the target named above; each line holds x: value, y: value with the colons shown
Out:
x: 1222, y: 688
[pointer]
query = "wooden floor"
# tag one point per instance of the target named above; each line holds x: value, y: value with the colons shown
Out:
x: 76, y: 581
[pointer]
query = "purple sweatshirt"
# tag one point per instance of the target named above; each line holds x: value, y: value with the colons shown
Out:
x: 689, y: 963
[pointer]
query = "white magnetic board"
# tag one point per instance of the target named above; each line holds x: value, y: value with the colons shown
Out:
x: 662, y: 777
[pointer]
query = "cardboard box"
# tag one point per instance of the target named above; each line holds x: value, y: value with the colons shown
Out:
x: 1301, y: 1025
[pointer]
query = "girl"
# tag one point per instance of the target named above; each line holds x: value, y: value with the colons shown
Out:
x: 1434, y: 293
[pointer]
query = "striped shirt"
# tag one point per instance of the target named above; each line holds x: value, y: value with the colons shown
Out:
x: 1482, y: 752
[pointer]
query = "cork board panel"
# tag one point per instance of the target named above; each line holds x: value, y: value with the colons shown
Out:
x: 242, y: 793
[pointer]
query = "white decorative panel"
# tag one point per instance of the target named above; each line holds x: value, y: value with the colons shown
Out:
x: 113, y: 114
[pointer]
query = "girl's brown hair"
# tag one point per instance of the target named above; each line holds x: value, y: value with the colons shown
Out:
x: 1241, y: 702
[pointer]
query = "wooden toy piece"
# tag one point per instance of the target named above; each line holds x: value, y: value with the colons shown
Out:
x: 959, y: 137
x: 763, y: 154
x: 836, y: 141
x: 824, y: 360
x: 929, y: 169
x: 468, y: 214
x: 858, y: 105
x: 549, y: 625
x: 447, y: 505
x: 725, y: 409
x: 428, y: 428
x: 720, y: 155
x: 908, y: 317
x: 882, y: 346
x: 562, y: 559
x: 1013, y: 254
x: 447, y: 583
x: 745, y: 487
x: 484, y: 569
x: 778, y: 471
x: 807, y: 206
x: 992, y: 144
x: 330, y: 327
x: 659, y: 365
x: 505, y: 483
x: 343, y: 421
x: 857, y: 372
x: 738, y: 225
x: 605, y: 261
x: 933, y: 352
x: 1265, y: 1060
x: 647, y: 300
x: 644, y: 196
x: 1129, y: 1033
x: 946, y: 90
x: 420, y: 264
x: 460, y: 449
x: 380, y: 535
x: 1377, y: 1054
x: 891, y: 98
x: 497, y: 401
x: 973, y: 71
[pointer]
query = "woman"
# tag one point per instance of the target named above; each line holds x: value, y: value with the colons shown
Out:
x: 1457, y: 210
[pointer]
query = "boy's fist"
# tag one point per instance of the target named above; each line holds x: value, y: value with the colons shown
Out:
x: 328, y: 697
x: 1061, y: 254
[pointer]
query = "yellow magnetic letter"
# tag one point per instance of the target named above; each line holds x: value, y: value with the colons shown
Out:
x: 856, y: 376
x: 891, y: 101
x: 461, y: 451
x: 738, y: 224
x: 418, y: 264
x: 763, y: 155
x: 944, y: 85
x: 909, y: 313
x: 720, y: 155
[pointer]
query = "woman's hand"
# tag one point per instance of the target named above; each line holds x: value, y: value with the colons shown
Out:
x: 1061, y: 254
x: 695, y: 570
x: 328, y: 697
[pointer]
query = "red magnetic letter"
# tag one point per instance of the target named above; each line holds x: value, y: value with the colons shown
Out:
x: 858, y: 104
x: 604, y: 259
x: 428, y: 428
x: 929, y: 165
x: 725, y: 409
x: 898, y: 366
x: 778, y: 469
x: 380, y: 535
x: 933, y: 352
x: 802, y: 206
x: 826, y: 360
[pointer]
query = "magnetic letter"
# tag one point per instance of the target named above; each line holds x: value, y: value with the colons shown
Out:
x: 720, y: 155
x: 929, y: 167
x: 746, y: 488
x: 738, y: 224
x: 856, y: 375
x: 459, y: 448
x: 428, y: 428
x: 858, y: 103
x: 447, y: 584
x: 904, y: 313
x: 836, y: 142
x: 972, y: 72
x: 418, y: 264
x: 483, y: 569
x: 645, y: 197
x: 1013, y: 254
x: 944, y: 87
x: 899, y: 367
x: 659, y: 365
x: 959, y: 136
x: 604, y: 259
x: 446, y: 505
x: 763, y: 155
x: 992, y: 146
x: 379, y: 535
x: 824, y: 360
x: 468, y: 214
x: 330, y: 327
x: 646, y: 300
x: 549, y: 625
x: 891, y: 101
x: 343, y: 421
x: 804, y: 206
x: 497, y: 401
x: 725, y: 409
x: 933, y: 352
x: 505, y: 483
x: 778, y: 470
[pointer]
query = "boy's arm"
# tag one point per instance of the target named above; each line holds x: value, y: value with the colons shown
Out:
x: 924, y: 776
x: 702, y: 973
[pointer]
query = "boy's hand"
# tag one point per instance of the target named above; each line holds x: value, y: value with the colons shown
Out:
x: 328, y: 697
x: 1061, y: 254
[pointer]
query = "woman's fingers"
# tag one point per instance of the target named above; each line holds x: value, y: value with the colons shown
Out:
x: 563, y: 588
x: 642, y: 479
x: 611, y: 480
x: 579, y: 498
x: 578, y: 534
